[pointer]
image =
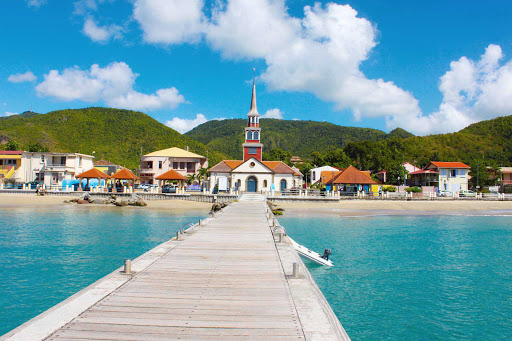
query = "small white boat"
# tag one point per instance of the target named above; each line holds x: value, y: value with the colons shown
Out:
x: 312, y: 255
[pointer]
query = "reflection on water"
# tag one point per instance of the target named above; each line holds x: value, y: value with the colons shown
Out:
x: 46, y: 255
x: 415, y: 278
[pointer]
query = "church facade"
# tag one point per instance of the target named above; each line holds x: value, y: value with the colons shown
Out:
x: 252, y: 174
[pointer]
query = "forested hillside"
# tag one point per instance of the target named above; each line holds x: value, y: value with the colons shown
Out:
x: 114, y: 134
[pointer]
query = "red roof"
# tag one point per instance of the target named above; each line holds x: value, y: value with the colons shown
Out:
x: 440, y: 164
x: 124, y: 174
x: 171, y: 175
x: 92, y: 173
x: 10, y: 152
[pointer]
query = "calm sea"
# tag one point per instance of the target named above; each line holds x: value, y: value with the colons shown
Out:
x: 414, y: 278
x: 48, y: 255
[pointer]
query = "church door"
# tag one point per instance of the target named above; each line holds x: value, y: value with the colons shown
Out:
x: 283, y: 185
x: 252, y: 184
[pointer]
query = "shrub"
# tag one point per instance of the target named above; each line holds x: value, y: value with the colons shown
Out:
x: 389, y: 189
x: 413, y: 190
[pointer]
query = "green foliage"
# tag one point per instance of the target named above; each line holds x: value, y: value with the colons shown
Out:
x: 277, y: 154
x: 12, y: 145
x: 37, y: 147
x: 483, y: 173
x: 396, y: 174
x: 305, y: 169
x: 116, y: 135
x: 300, y: 138
x: 413, y: 190
x: 389, y: 189
x: 331, y: 157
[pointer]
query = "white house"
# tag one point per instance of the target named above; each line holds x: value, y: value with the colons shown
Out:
x: 450, y: 176
x: 157, y: 163
x: 252, y: 174
x: 52, y: 168
x: 317, y: 172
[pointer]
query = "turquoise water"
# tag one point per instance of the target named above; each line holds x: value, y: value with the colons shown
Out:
x: 48, y: 255
x: 414, y: 278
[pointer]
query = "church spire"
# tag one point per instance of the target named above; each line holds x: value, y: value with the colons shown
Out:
x: 254, y: 110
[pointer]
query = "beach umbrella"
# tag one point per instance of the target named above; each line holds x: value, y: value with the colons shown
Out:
x: 125, y: 174
x: 172, y: 175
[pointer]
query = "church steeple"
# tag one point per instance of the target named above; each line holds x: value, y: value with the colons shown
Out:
x: 252, y: 145
x: 254, y: 110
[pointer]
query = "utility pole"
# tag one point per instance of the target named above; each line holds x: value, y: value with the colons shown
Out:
x: 477, y: 176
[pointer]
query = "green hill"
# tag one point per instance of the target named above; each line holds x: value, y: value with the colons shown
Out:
x: 115, y: 135
x: 298, y: 137
x: 486, y: 142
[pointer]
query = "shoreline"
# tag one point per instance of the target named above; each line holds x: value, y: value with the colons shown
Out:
x: 352, y: 208
x: 55, y: 202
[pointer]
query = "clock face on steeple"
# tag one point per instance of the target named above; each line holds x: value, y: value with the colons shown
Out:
x: 252, y: 146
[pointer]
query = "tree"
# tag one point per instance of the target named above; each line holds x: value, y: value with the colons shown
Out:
x: 484, y: 173
x: 277, y: 154
x: 305, y: 169
x: 396, y: 174
x: 190, y: 178
x: 202, y: 174
x: 37, y: 147
x: 331, y: 157
x: 12, y: 145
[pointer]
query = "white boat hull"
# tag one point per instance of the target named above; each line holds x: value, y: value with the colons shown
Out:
x: 311, y: 255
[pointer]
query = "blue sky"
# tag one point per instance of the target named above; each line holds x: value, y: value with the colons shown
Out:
x: 428, y: 67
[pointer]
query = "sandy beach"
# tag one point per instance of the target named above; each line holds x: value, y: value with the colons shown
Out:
x: 374, y: 207
x: 31, y: 200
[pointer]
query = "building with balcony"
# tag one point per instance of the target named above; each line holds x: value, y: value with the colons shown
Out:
x: 107, y: 167
x: 157, y: 163
x: 52, y: 169
x: 506, y: 175
x: 449, y: 176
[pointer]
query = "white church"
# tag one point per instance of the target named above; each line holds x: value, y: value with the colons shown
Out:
x: 252, y: 174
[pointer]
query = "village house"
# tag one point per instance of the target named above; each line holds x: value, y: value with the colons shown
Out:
x: 448, y: 176
x: 10, y: 161
x: 316, y: 173
x: 252, y: 174
x: 159, y: 162
x: 51, y: 169
x: 349, y: 180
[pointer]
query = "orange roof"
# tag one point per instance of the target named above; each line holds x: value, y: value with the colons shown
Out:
x: 233, y: 163
x: 104, y: 163
x: 440, y: 164
x: 367, y: 173
x: 353, y: 176
x: 92, y: 173
x: 171, y: 175
x: 124, y: 174
x: 327, y: 176
x: 279, y: 167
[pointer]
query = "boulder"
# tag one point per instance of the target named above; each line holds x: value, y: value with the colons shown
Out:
x: 81, y: 202
x: 121, y: 203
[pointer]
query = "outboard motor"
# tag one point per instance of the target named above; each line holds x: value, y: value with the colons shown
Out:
x: 327, y: 253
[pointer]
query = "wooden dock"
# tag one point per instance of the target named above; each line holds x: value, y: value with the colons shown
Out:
x: 226, y: 280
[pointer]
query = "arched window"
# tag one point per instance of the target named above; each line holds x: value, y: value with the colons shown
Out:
x: 256, y: 135
x: 249, y: 135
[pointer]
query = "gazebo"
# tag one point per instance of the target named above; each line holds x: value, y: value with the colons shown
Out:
x: 92, y: 173
x: 171, y: 175
x: 125, y: 174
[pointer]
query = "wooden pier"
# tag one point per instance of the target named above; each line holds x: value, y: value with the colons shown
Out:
x: 228, y: 279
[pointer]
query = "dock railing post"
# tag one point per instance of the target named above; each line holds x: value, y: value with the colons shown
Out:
x: 296, y: 273
x: 127, y: 266
x: 178, y: 235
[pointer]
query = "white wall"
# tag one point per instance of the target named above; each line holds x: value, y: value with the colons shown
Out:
x: 316, y: 172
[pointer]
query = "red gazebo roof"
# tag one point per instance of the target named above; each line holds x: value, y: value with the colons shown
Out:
x: 171, y: 175
x: 124, y: 174
x: 92, y: 173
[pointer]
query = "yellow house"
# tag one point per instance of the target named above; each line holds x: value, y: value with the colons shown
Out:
x: 10, y: 161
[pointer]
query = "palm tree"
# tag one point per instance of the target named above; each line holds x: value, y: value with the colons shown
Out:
x: 190, y: 178
x: 202, y: 174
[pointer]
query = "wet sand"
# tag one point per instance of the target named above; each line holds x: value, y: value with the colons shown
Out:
x: 374, y: 207
x: 31, y: 200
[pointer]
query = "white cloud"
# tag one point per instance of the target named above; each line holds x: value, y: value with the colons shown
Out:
x: 82, y: 7
x: 101, y: 34
x: 273, y: 113
x: 170, y: 21
x: 22, y: 77
x: 182, y: 125
x: 319, y: 53
x: 472, y: 91
x: 35, y: 3
x: 112, y: 84
x: 295, y: 119
x: 9, y: 113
